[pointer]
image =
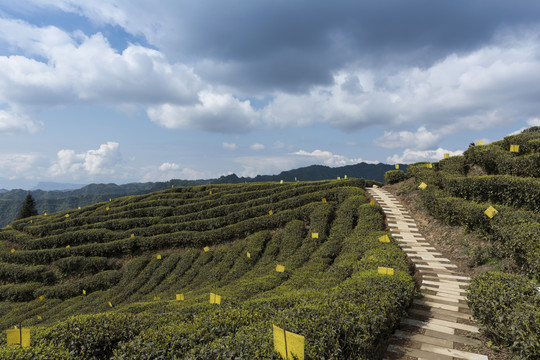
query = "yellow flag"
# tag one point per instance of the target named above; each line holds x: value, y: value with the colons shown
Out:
x: 110, y: 304
x: 271, y: 212
x: 514, y: 148
x: 314, y: 235
x: 429, y: 165
x: 12, y: 250
x: 397, y: 166
x: 280, y: 268
x: 491, y: 212
x: 67, y: 246
x: 215, y: 299
x: 84, y: 292
x: 372, y: 202
x: 446, y: 155
x: 324, y: 200
x: 158, y: 256
x: 422, y: 186
x: 132, y: 235
x: 289, y: 345
x: 18, y: 337
x: 41, y: 297
x: 206, y: 249
x: 180, y: 297
x: 248, y: 255
x: 384, y: 239
x: 385, y: 270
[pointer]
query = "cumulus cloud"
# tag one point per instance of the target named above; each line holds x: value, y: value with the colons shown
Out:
x: 533, y: 121
x: 229, y: 146
x: 10, y: 121
x: 421, y: 139
x: 256, y: 147
x: 14, y: 165
x: 94, y: 162
x: 328, y: 158
x: 167, y: 166
x: 411, y: 156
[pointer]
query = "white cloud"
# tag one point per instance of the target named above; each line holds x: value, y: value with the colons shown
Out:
x: 411, y: 156
x: 94, y: 162
x: 10, y: 121
x: 167, y: 166
x: 328, y: 158
x: 229, y: 146
x: 15, y: 165
x: 533, y: 121
x: 421, y: 139
x: 256, y: 147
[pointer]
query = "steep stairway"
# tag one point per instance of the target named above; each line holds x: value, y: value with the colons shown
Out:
x: 439, y: 325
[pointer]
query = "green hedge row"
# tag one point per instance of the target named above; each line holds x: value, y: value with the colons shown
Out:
x: 394, y: 176
x: 16, y: 273
x: 508, y: 307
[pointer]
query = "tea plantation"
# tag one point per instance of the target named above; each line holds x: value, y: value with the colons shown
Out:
x: 506, y: 176
x: 131, y: 278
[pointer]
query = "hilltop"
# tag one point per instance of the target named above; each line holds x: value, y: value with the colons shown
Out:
x: 131, y: 278
x: 53, y: 201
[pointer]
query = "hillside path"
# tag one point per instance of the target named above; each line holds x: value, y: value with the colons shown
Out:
x: 439, y: 325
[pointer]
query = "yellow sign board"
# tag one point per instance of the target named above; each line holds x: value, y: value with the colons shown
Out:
x: 39, y: 317
x: 314, y: 235
x: 289, y: 345
x: 206, y: 249
x: 110, y: 304
x: 67, y: 215
x: 210, y: 192
x: 339, y: 178
x: 271, y: 212
x: 446, y: 155
x: 215, y: 299
x: 67, y: 246
x: 107, y: 208
x: 41, y: 297
x: 324, y: 200
x: 280, y: 268
x: 84, y: 292
x: 345, y: 177
x: 385, y: 270
x: 491, y: 212
x: 18, y: 337
x: 397, y: 166
x: 281, y: 182
x: 422, y: 186
x: 481, y: 142
x: 514, y: 148
x: 157, y: 298
x: 384, y: 239
x: 372, y: 202
x: 180, y: 297
x: 12, y: 250
x: 429, y: 165
x: 248, y: 255
x: 158, y: 256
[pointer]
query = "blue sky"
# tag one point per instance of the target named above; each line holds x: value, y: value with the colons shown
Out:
x: 130, y: 90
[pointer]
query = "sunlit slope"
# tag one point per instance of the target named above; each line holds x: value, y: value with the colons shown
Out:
x: 138, y: 253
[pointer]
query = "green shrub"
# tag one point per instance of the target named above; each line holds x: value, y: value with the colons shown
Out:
x: 394, y: 176
x: 508, y: 307
x: 40, y: 352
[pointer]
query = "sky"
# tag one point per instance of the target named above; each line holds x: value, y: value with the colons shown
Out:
x: 137, y: 90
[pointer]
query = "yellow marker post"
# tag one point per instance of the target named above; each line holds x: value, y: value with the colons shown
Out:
x: 491, y: 212
x: 180, y: 297
x: 295, y: 179
x: 248, y: 255
x: 514, y: 148
x: 107, y: 208
x: 422, y: 186
x: 429, y: 165
x: 79, y: 208
x: 385, y: 270
x: 481, y: 142
x: 397, y: 166
x: 110, y: 199
x: 18, y: 337
x: 215, y: 299
x: 372, y: 202
x: 84, y: 292
x: 206, y: 249
x: 132, y: 235
x: 158, y: 256
x: 281, y: 182
x: 271, y: 212
x: 339, y: 178
x: 45, y: 213
x: 384, y: 239
x: 345, y: 177
x: 324, y: 200
x: 314, y: 235
x: 12, y: 250
x: 280, y: 268
x: 289, y: 345
x: 446, y: 155
x: 110, y: 304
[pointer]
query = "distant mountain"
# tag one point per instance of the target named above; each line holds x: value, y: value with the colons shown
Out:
x: 58, y: 200
x: 53, y: 186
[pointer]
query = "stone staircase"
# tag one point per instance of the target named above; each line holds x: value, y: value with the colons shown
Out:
x: 439, y: 325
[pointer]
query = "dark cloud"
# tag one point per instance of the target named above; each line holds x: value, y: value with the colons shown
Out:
x: 291, y: 45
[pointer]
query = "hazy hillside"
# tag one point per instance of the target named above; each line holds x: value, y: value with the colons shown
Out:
x: 142, y: 268
x: 53, y: 201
